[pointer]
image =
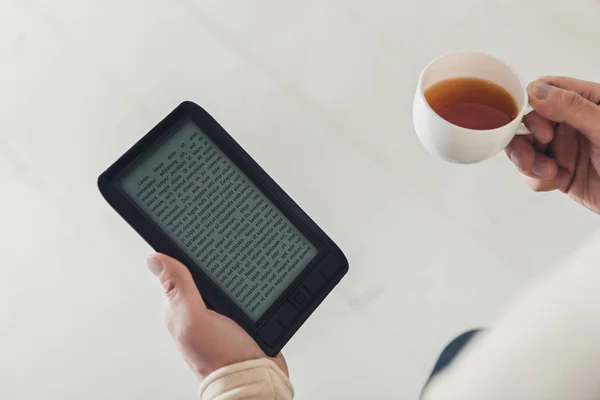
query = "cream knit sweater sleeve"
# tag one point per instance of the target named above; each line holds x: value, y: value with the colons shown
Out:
x: 546, y: 345
x: 250, y: 380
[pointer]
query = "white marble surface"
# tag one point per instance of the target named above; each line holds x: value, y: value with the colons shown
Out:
x: 319, y: 91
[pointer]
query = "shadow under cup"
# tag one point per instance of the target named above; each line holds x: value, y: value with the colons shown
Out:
x: 451, y: 142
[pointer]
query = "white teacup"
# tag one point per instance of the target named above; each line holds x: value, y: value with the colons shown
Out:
x: 454, y: 143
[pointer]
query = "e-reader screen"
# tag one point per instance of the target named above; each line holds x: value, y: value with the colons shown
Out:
x: 211, y: 210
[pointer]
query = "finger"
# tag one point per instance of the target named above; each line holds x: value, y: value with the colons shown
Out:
x: 560, y: 182
x: 562, y: 105
x: 543, y: 168
x: 175, y: 279
x: 542, y: 173
x: 528, y: 161
x: 563, y: 180
x: 565, y: 147
x: 282, y: 363
x: 588, y: 90
x: 541, y: 128
x: 521, y: 153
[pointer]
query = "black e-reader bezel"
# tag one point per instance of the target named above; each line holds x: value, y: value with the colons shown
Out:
x: 290, y: 310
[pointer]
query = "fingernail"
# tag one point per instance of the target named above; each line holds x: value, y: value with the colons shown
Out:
x: 155, y: 266
x: 540, y: 90
x: 542, y: 169
x: 516, y: 159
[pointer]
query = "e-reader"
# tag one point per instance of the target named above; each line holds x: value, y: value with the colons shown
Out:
x: 191, y: 191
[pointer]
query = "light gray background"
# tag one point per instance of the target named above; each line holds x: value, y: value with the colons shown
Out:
x: 320, y: 93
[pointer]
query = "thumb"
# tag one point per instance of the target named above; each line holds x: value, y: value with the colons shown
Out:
x: 176, y: 280
x: 561, y: 105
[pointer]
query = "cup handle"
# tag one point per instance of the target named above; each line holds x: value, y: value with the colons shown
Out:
x: 522, y: 129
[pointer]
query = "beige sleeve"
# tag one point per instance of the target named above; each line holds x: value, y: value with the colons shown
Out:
x: 250, y: 380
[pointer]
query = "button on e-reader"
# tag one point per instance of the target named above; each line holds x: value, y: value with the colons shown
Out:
x: 286, y: 314
x: 314, y: 282
x: 300, y: 298
x: 270, y: 332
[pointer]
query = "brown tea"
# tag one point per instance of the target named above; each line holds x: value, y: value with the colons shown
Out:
x: 472, y: 103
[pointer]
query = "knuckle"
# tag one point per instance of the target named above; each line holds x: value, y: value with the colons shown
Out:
x: 169, y: 287
x: 587, y: 93
x: 572, y: 100
x: 573, y: 107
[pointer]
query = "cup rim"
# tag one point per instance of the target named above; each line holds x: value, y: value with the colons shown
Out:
x: 421, y: 91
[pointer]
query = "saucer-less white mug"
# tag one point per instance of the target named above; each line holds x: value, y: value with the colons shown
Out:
x: 454, y: 143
